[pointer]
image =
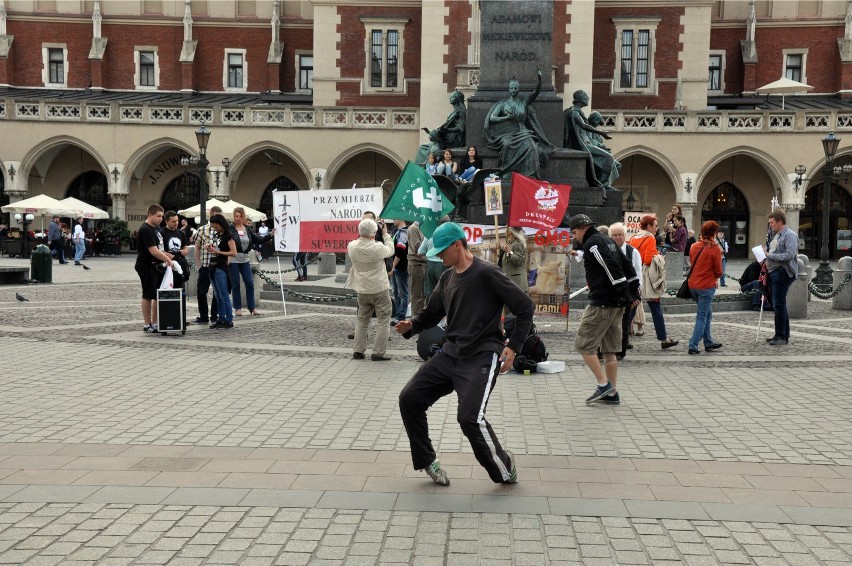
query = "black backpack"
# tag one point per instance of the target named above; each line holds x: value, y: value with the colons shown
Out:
x: 532, y: 352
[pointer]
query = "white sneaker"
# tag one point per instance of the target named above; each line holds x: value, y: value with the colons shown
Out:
x: 437, y: 473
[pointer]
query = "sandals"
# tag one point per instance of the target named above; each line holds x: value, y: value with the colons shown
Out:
x: 238, y: 312
x: 255, y: 313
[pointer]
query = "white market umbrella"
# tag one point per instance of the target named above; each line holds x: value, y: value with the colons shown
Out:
x: 227, y: 210
x: 784, y: 86
x: 84, y: 209
x: 40, y: 205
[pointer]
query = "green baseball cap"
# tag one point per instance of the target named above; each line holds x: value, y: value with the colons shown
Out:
x: 444, y: 236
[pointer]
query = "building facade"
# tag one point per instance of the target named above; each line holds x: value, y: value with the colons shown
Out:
x: 101, y: 99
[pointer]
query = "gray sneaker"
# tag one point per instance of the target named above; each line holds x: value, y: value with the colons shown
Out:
x: 437, y: 473
x: 513, y: 471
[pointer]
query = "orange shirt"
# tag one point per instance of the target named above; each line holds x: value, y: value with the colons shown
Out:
x: 646, y: 246
x: 708, y: 267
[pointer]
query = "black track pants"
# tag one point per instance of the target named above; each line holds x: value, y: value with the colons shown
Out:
x: 472, y: 379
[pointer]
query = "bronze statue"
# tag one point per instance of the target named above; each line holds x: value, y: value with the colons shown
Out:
x: 450, y: 134
x: 601, y: 168
x: 511, y: 127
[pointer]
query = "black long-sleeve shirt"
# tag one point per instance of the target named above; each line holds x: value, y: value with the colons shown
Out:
x: 473, y: 301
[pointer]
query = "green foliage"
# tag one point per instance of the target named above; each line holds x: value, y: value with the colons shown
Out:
x: 116, y: 228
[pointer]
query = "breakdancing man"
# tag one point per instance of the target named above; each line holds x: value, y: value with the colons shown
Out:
x: 471, y: 295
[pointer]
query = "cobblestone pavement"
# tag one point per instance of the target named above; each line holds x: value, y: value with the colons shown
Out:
x: 268, y: 444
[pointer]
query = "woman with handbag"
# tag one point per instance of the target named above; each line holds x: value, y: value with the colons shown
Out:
x: 653, y: 275
x: 245, y: 240
x: 703, y: 279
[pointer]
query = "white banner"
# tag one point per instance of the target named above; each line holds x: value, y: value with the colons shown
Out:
x: 321, y: 221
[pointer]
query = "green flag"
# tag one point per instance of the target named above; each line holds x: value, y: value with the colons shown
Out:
x: 416, y: 197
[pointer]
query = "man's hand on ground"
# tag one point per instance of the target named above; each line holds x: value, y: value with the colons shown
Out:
x: 508, y: 358
x: 403, y: 326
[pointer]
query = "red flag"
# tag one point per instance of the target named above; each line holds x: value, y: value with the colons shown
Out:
x: 537, y: 204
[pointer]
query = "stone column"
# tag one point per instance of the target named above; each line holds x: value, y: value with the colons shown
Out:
x: 327, y: 264
x: 792, y: 211
x: 843, y: 300
x: 797, y: 296
x: 689, y: 209
x: 119, y: 205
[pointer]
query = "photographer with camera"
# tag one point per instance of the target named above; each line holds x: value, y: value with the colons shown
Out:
x: 613, y: 286
x: 368, y: 277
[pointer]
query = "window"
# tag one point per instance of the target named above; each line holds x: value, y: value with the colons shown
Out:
x: 794, y: 65
x: 634, y: 58
x: 235, y: 70
x: 235, y: 75
x: 147, y: 68
x: 715, y: 79
x: 384, y: 59
x: 634, y: 71
x: 306, y: 72
x: 55, y: 64
x: 384, y: 39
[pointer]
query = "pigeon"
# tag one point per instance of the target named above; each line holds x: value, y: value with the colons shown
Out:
x: 86, y: 267
x: 21, y: 298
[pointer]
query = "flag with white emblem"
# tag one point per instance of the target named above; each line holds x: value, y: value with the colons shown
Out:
x: 416, y: 197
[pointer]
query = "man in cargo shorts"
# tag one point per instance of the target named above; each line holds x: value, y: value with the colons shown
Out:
x: 613, y: 286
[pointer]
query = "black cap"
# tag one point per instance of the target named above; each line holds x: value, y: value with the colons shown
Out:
x: 580, y: 220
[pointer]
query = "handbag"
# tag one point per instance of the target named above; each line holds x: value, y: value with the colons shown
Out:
x: 683, y: 291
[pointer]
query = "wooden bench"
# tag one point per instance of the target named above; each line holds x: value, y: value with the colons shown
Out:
x: 13, y: 275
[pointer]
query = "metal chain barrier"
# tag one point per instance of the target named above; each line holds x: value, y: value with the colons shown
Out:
x: 308, y: 297
x: 307, y: 263
x: 815, y: 291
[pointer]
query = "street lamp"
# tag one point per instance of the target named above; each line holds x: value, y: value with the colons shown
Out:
x: 24, y: 219
x: 823, y: 277
x: 202, y: 137
x: 631, y: 200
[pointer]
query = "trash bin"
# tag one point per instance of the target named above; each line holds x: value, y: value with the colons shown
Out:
x: 41, y: 264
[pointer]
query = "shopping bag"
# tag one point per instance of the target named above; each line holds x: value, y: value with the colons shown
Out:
x: 168, y: 279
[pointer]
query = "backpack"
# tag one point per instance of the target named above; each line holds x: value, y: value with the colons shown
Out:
x: 532, y: 352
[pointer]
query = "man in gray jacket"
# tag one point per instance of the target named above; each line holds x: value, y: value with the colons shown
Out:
x: 783, y: 268
x: 369, y: 278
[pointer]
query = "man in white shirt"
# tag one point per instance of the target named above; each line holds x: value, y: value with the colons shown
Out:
x: 368, y: 277
x: 618, y: 234
x: 79, y: 238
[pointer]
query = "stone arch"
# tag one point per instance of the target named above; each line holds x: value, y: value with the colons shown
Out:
x: 346, y: 156
x: 775, y: 171
x: 653, y: 189
x: 145, y: 154
x: 654, y: 155
x: 49, y: 149
x: 242, y: 158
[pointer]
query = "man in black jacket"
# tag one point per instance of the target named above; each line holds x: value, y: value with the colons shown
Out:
x: 613, y: 286
x: 471, y: 296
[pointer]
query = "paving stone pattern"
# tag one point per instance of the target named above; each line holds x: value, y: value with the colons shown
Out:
x: 35, y: 533
x: 268, y: 444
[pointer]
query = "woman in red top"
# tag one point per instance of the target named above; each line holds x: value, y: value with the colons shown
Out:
x: 706, y: 259
x: 653, y: 276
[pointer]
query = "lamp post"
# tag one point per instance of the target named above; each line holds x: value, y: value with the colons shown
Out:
x: 823, y: 277
x: 24, y: 219
x: 202, y: 136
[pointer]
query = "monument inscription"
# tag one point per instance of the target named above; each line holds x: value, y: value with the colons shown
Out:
x: 516, y: 37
